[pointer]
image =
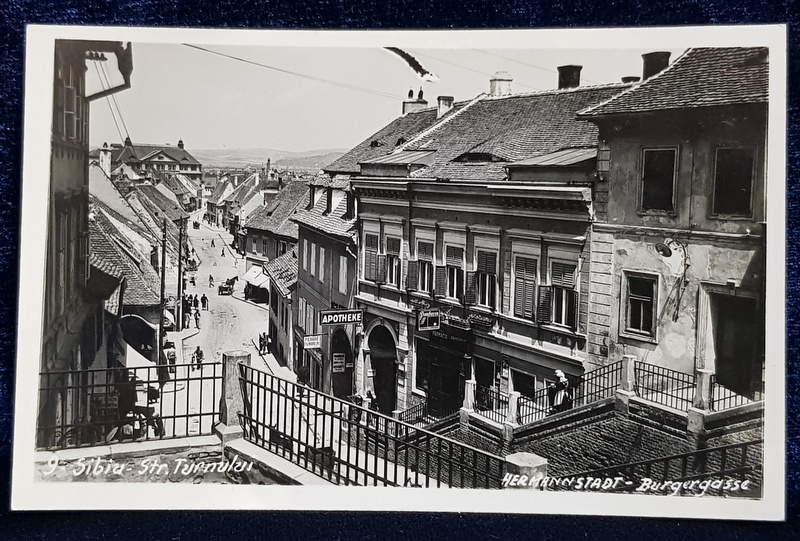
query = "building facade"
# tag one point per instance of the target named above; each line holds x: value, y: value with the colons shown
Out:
x: 481, y: 224
x: 678, y: 267
x: 73, y: 322
x: 160, y: 158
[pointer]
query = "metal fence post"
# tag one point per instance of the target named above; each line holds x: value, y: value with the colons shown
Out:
x: 627, y: 384
x: 231, y: 401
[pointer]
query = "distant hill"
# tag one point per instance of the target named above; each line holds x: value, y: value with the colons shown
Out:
x: 241, y: 157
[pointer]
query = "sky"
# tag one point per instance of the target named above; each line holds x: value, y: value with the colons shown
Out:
x: 300, y: 99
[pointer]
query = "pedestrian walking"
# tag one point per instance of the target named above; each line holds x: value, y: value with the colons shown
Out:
x: 204, y: 302
x: 187, y: 317
x: 212, y: 243
x: 223, y: 252
x: 197, y: 359
x: 196, y: 303
x: 197, y: 319
x: 269, y: 344
x: 261, y: 344
x: 210, y: 281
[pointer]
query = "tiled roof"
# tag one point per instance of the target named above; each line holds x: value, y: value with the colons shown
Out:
x: 340, y: 182
x: 274, y: 218
x: 114, y: 254
x: 168, y: 208
x: 137, y: 226
x: 283, y: 271
x: 701, y: 77
x: 100, y: 282
x: 244, y: 191
x: 137, y: 153
x: 219, y: 192
x: 387, y: 139
x: 477, y: 141
x: 332, y: 223
x: 176, y: 186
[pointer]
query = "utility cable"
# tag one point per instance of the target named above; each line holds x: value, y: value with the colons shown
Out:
x: 110, y: 108
x: 295, y: 73
x: 114, y: 99
x: 468, y: 69
x: 525, y: 63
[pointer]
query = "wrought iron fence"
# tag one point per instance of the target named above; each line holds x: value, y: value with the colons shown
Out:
x: 81, y: 408
x: 721, y: 398
x: 351, y: 445
x: 414, y: 414
x: 665, y: 386
x: 491, y: 403
x: 533, y: 409
x: 740, y: 461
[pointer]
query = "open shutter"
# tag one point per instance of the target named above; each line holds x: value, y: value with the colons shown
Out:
x: 380, y: 276
x: 440, y: 288
x: 454, y: 256
x: 470, y: 293
x: 519, y: 287
x: 563, y: 275
x: 576, y: 307
x: 530, y: 292
x: 370, y: 265
x: 543, y: 310
x: 425, y: 251
x: 412, y: 277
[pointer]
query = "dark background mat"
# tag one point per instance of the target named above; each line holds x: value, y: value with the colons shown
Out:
x: 385, y: 14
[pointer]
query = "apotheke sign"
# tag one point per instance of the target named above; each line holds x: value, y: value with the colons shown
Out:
x: 341, y: 317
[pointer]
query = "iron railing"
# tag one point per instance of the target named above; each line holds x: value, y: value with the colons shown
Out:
x: 415, y: 414
x: 740, y: 461
x: 81, y: 408
x: 533, y: 409
x: 665, y: 386
x: 491, y: 403
x: 721, y: 398
x: 351, y: 445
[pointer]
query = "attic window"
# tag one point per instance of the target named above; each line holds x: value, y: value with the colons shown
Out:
x: 375, y: 144
x: 400, y: 141
x: 476, y: 157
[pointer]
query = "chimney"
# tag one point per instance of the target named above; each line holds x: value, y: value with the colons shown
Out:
x: 128, y: 142
x: 269, y: 166
x: 414, y: 105
x: 631, y: 79
x: 105, y: 160
x: 180, y: 144
x: 569, y: 76
x: 445, y: 104
x: 653, y: 63
x: 500, y: 84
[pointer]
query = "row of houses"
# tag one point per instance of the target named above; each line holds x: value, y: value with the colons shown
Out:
x: 541, y: 231
x: 112, y: 235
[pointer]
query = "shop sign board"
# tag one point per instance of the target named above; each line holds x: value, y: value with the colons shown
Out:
x: 429, y: 320
x: 312, y: 341
x: 338, y: 363
x: 341, y: 317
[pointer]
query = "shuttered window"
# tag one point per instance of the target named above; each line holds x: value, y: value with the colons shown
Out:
x: 412, y: 276
x: 393, y: 261
x: 371, y: 257
x: 524, y: 287
x: 393, y: 245
x: 454, y: 256
x: 485, y: 280
x: 425, y: 251
x: 564, y: 302
x: 343, y: 275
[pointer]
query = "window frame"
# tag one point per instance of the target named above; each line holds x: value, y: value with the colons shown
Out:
x: 712, y: 213
x: 458, y: 288
x: 343, y: 274
x: 536, y: 281
x: 675, y: 165
x: 491, y: 281
x: 564, y: 308
x: 624, y: 330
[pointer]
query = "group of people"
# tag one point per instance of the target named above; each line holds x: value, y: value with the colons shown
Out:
x: 192, y: 304
x: 264, y: 343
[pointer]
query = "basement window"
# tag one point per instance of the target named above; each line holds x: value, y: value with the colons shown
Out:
x: 658, y: 179
x: 733, y: 181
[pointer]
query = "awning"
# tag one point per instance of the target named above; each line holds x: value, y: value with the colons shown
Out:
x: 140, y: 367
x: 261, y: 281
x: 168, y: 315
x: 254, y: 272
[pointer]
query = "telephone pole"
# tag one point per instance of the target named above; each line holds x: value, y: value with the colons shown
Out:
x: 163, y: 270
x: 179, y: 310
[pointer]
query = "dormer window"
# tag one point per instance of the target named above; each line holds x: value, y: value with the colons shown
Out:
x: 477, y: 157
x: 375, y: 143
x: 400, y: 141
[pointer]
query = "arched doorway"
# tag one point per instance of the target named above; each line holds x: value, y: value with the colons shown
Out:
x: 383, y: 356
x: 140, y: 334
x: 342, y: 364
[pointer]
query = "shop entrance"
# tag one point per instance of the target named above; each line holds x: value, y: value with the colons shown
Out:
x: 383, y: 357
x: 342, y: 364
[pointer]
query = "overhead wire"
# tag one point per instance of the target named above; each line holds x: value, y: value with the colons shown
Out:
x: 295, y: 73
x: 468, y: 69
x: 525, y: 63
x: 110, y: 108
x: 114, y: 99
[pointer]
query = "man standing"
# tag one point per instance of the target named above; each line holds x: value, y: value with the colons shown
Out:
x: 196, y: 303
x: 204, y: 302
x: 197, y: 319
